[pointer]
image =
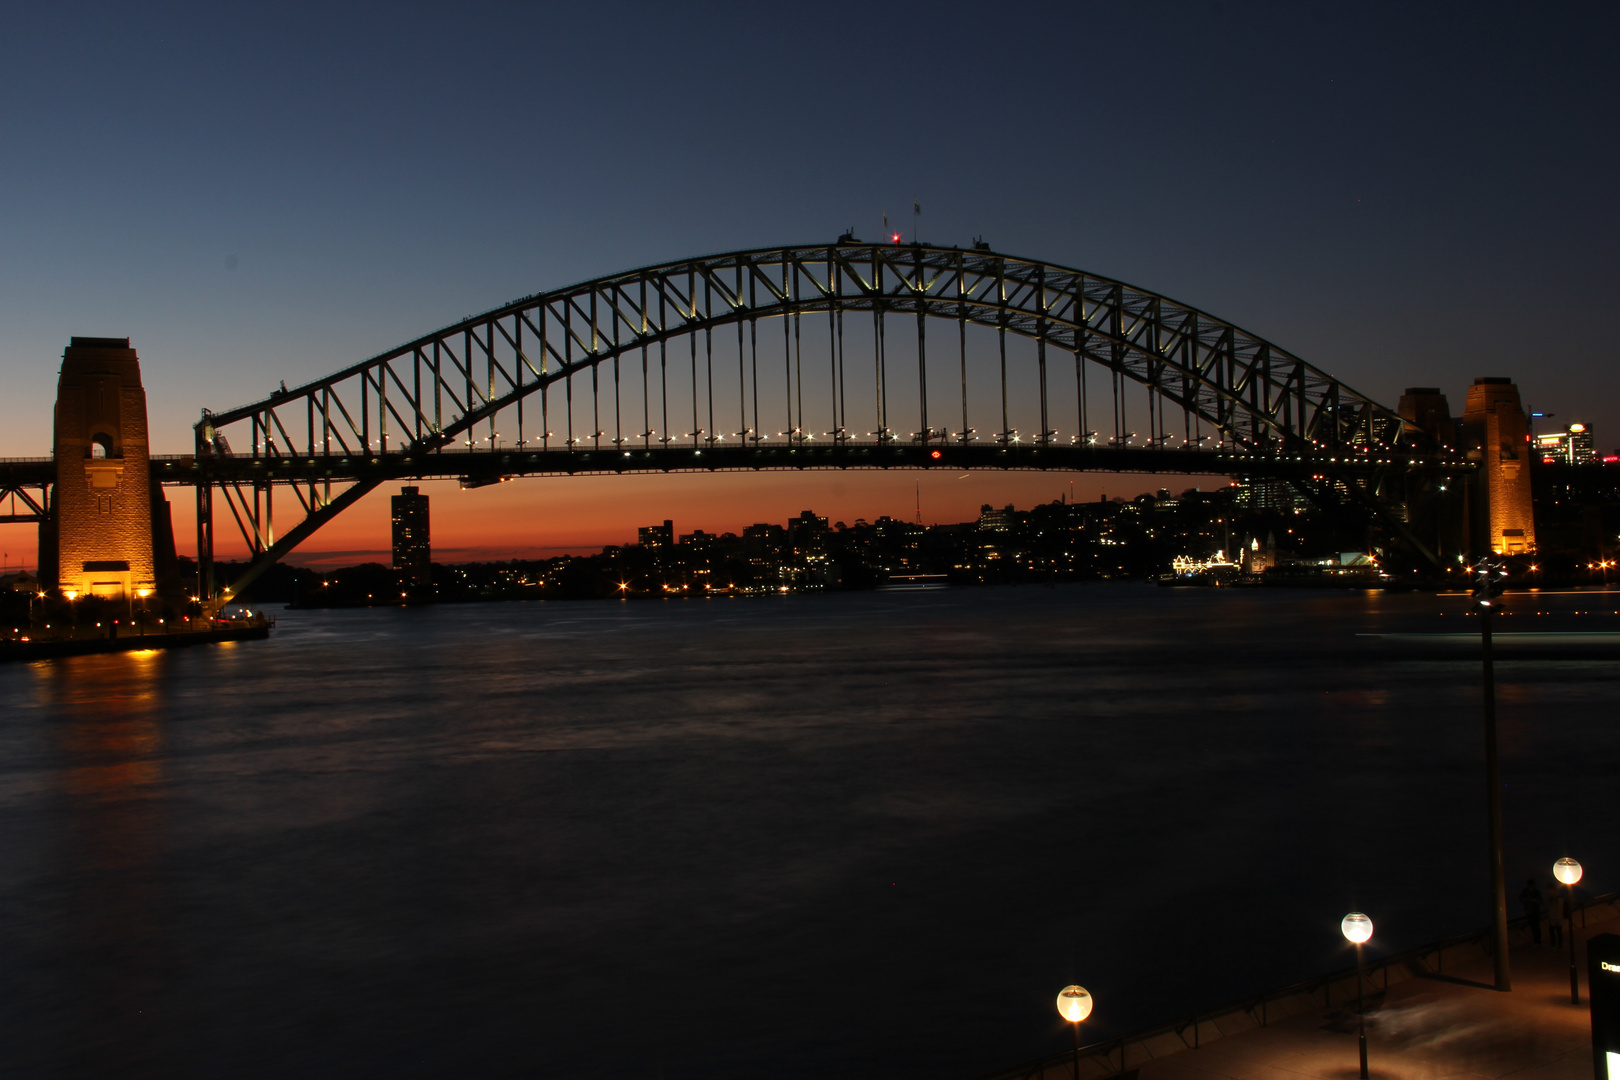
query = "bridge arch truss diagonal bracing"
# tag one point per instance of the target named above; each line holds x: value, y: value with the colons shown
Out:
x: 845, y: 355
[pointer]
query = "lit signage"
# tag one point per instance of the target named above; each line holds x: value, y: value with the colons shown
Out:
x: 1603, y: 986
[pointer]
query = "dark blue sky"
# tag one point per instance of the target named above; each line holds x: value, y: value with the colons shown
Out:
x: 268, y: 193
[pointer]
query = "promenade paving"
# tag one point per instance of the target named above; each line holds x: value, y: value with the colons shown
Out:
x: 1451, y: 1025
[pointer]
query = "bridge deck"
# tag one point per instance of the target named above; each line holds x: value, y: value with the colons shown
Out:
x: 485, y: 466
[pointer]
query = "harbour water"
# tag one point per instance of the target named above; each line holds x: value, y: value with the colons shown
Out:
x: 857, y: 835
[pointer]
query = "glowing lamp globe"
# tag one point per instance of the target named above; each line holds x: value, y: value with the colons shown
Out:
x: 1074, y: 1004
x: 1356, y: 927
x: 1567, y: 871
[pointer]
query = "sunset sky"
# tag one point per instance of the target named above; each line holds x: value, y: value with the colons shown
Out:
x: 258, y: 195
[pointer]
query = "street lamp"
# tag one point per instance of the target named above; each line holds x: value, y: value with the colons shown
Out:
x: 1074, y: 1005
x: 1568, y: 872
x: 1357, y: 928
x: 1490, y: 576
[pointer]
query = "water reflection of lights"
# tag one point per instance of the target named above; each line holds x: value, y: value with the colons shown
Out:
x: 112, y: 744
x: 111, y: 754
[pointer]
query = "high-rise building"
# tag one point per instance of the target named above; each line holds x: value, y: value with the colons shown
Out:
x: 413, y: 549
x: 1572, y: 446
x: 993, y: 520
x: 1580, y: 444
x: 657, y: 536
x: 1553, y: 447
x: 1495, y: 432
x: 807, y: 533
x: 1268, y: 493
x: 101, y: 527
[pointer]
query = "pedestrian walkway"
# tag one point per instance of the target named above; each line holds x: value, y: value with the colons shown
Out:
x: 1431, y: 1013
x: 1452, y: 1025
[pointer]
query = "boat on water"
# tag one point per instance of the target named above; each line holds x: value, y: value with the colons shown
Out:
x: 1187, y: 572
x: 1347, y: 570
x: 915, y: 583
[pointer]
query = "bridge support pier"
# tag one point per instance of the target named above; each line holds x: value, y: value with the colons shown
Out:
x: 205, y: 542
x: 47, y: 570
x: 102, y: 502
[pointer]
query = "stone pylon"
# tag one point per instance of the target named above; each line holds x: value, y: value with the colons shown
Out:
x: 103, y: 499
x: 1496, y: 433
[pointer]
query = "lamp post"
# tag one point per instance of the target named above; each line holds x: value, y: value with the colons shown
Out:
x: 1357, y: 928
x: 1568, y: 872
x: 1490, y: 575
x: 1074, y: 1005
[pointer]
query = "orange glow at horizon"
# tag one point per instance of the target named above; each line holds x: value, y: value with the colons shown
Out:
x: 541, y: 517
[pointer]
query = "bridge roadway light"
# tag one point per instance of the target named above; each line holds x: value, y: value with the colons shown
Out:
x: 1074, y: 1005
x: 1357, y: 928
x: 1568, y: 872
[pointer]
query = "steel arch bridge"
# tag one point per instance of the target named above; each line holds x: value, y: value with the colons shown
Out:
x: 603, y: 376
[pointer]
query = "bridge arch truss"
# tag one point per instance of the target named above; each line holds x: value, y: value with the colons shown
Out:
x: 686, y: 357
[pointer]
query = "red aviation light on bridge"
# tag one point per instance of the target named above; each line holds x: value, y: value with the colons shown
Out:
x: 896, y: 239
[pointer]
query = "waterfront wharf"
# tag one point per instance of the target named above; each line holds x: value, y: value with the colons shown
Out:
x: 50, y: 648
x: 1431, y: 1012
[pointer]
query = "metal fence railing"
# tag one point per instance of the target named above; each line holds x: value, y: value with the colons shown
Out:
x: 1122, y: 1055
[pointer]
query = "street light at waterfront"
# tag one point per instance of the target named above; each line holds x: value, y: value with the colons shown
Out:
x: 1074, y: 1005
x: 1568, y: 872
x: 1490, y: 577
x: 1357, y: 928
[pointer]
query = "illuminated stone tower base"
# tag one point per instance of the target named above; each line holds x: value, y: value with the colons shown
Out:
x: 103, y: 501
x: 1496, y: 433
